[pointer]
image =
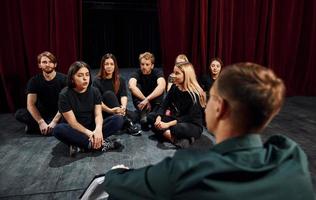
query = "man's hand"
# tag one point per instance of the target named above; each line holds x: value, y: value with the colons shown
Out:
x: 144, y: 104
x: 43, y: 126
x: 51, y: 126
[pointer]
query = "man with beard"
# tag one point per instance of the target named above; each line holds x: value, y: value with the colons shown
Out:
x: 42, y: 115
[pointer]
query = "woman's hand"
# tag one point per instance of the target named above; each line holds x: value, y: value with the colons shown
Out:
x: 162, y: 125
x: 96, y: 139
x: 118, y: 111
x: 158, y: 121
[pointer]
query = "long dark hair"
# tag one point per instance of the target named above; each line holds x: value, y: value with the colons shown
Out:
x: 73, y: 69
x: 116, y: 75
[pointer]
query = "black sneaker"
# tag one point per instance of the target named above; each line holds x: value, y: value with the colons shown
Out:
x: 133, y: 129
x: 73, y: 150
x: 110, y: 145
x: 182, y: 143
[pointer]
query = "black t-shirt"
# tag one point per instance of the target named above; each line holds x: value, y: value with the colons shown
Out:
x: 107, y: 84
x: 47, y: 92
x: 82, y: 104
x: 147, y: 83
x: 182, y: 106
x: 206, y: 82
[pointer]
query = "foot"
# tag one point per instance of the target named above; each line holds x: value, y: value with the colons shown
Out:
x: 73, y: 150
x: 110, y: 145
x: 182, y: 143
x: 132, y: 129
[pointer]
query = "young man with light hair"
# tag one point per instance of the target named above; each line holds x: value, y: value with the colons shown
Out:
x: 147, y: 86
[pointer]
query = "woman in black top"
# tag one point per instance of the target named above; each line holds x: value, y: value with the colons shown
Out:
x: 113, y: 91
x: 80, y: 105
x: 208, y: 79
x: 180, y: 116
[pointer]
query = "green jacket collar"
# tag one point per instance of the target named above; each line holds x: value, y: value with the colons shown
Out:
x: 247, y: 141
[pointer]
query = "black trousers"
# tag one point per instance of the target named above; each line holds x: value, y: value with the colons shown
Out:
x: 24, y: 116
x: 182, y: 130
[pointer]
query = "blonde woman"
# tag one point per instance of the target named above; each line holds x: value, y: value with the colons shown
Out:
x: 185, y: 100
x: 179, y: 58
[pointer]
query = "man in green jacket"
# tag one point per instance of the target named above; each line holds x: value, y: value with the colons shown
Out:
x: 243, y: 100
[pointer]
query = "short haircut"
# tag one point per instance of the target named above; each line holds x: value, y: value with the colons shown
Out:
x: 147, y: 56
x: 48, y: 55
x: 254, y: 93
x: 73, y: 69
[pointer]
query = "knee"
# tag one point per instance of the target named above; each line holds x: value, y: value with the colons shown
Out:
x: 59, y: 130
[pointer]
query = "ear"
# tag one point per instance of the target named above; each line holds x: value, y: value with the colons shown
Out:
x: 221, y: 108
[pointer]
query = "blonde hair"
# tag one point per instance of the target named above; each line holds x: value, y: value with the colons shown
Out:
x: 147, y: 56
x: 181, y: 57
x: 190, y: 83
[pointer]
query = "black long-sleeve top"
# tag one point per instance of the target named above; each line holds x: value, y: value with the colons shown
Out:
x: 182, y: 106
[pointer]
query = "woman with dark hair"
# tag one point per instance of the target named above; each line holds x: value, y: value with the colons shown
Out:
x: 208, y: 79
x: 185, y: 100
x: 113, y: 91
x: 80, y: 105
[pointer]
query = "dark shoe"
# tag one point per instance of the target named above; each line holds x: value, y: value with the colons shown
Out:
x: 132, y: 128
x: 73, y: 150
x: 110, y: 145
x: 143, y: 119
x: 182, y: 143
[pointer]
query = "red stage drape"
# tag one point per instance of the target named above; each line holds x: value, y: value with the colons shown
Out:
x: 28, y: 28
x: 280, y: 34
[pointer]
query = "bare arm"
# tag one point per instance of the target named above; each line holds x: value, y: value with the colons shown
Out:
x: 124, y: 101
x: 31, y: 100
x: 98, y: 135
x: 161, y: 85
x: 53, y: 123
x: 132, y: 84
x: 72, y: 121
x: 31, y: 107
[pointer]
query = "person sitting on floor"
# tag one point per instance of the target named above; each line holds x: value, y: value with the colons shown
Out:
x: 184, y: 101
x: 80, y: 105
x: 41, y: 115
x: 147, y: 86
x: 243, y: 100
x: 113, y: 90
x: 179, y: 58
x: 207, y: 80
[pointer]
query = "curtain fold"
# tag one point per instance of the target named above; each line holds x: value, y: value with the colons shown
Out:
x: 29, y: 28
x: 279, y: 34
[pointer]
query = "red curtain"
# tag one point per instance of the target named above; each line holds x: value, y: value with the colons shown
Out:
x: 28, y: 28
x: 280, y: 34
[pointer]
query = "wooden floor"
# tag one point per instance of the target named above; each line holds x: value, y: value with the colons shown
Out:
x: 36, y: 167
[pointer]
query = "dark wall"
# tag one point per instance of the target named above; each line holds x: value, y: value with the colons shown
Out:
x: 124, y: 28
